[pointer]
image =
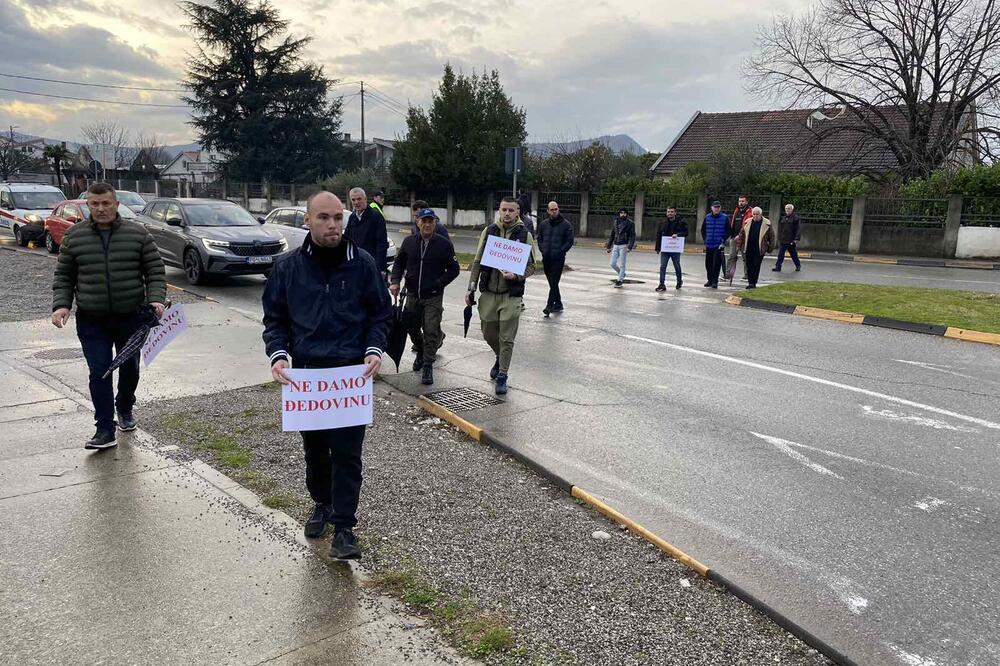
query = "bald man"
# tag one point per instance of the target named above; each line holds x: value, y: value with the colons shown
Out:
x: 326, y: 306
x: 555, y: 239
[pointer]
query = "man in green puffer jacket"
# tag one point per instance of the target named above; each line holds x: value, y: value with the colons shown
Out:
x: 112, y: 268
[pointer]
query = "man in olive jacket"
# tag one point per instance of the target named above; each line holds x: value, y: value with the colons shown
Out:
x: 111, y: 267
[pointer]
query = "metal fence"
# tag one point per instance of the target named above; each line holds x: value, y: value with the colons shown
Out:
x: 981, y: 212
x: 822, y: 210
x: 892, y: 212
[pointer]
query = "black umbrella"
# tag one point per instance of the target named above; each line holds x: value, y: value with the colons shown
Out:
x: 468, y: 314
x: 148, y: 321
x: 398, y: 329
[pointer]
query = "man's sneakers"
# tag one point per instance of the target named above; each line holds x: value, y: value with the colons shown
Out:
x: 102, y: 439
x: 798, y: 269
x: 558, y: 307
x: 776, y: 269
x: 501, y: 387
x: 428, y: 376
x: 546, y: 311
x: 418, y: 362
x: 344, y: 545
x: 661, y: 287
x: 619, y: 284
x: 126, y: 422
x: 316, y: 525
x: 679, y: 284
x: 495, y: 370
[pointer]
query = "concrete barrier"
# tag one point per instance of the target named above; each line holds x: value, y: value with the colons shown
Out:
x: 978, y: 243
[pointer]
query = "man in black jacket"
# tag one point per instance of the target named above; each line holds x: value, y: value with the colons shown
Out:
x: 555, y: 239
x: 415, y: 208
x: 789, y: 234
x: 366, y: 228
x: 620, y: 243
x: 326, y: 306
x: 430, y: 265
x: 673, y: 227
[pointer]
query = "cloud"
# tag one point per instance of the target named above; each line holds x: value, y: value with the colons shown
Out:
x: 28, y: 111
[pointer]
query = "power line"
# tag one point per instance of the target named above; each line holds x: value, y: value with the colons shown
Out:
x: 92, y: 85
x: 379, y: 98
x: 95, y: 101
x: 388, y: 97
x: 387, y: 107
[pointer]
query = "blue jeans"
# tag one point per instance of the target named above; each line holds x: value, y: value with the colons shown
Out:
x: 665, y: 259
x: 99, y: 336
x: 619, y: 255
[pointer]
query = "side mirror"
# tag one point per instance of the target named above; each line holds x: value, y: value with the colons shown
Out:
x: 260, y: 219
x: 175, y: 222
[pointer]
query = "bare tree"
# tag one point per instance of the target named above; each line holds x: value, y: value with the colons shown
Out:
x: 115, y: 137
x: 150, y: 143
x: 12, y: 160
x: 915, y: 78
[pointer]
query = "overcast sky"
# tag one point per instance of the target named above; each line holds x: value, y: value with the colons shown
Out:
x: 580, y: 69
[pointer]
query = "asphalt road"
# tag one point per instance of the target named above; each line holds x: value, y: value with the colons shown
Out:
x: 846, y: 475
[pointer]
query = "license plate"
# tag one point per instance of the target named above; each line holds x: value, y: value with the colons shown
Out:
x: 260, y: 260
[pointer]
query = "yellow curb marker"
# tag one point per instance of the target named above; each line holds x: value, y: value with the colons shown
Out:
x: 831, y: 315
x: 875, y: 260
x: 733, y: 300
x: 973, y: 336
x: 475, y: 432
x: 641, y: 531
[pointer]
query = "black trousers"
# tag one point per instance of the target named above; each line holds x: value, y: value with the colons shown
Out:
x: 333, y: 471
x: 553, y: 273
x: 99, y: 336
x: 792, y: 250
x: 713, y: 263
x: 753, y: 262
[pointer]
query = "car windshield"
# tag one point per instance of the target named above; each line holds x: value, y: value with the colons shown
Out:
x: 130, y: 199
x: 37, y: 200
x: 218, y: 215
x: 123, y: 210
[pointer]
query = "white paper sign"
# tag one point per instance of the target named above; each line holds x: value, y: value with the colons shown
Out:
x: 506, y: 255
x: 321, y: 399
x: 671, y: 244
x: 173, y: 323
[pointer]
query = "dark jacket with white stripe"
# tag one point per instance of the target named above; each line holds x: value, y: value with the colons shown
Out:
x: 322, y: 318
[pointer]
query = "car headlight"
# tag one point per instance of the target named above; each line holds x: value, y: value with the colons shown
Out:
x: 283, y: 244
x: 215, y: 245
x: 33, y: 218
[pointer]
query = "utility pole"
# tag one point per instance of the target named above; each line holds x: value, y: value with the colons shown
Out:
x: 362, y: 124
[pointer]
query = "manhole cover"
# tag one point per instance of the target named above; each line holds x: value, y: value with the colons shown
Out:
x: 463, y: 399
x: 60, y: 354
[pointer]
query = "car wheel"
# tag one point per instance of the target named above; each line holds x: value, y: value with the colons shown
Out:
x: 19, y: 237
x: 193, y: 267
x: 50, y: 244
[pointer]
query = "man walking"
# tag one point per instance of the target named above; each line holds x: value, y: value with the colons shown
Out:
x: 742, y: 213
x: 620, y: 242
x: 378, y: 202
x: 112, y: 268
x: 673, y: 227
x: 366, y: 228
x: 500, y: 302
x: 789, y: 234
x: 326, y: 306
x: 555, y: 239
x: 756, y: 239
x: 415, y: 210
x: 430, y: 265
x: 714, y: 230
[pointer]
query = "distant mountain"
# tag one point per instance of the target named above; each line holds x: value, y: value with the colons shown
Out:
x: 176, y: 150
x: 619, y: 143
x: 19, y: 138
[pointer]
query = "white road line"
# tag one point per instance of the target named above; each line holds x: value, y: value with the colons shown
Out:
x: 914, y: 419
x: 818, y: 380
x: 929, y: 504
x: 940, y: 368
x: 910, y: 659
x: 785, y: 447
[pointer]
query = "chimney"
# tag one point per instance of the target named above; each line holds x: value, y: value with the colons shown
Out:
x: 347, y: 137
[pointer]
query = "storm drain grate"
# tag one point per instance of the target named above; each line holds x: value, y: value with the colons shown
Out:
x: 60, y: 354
x: 462, y: 399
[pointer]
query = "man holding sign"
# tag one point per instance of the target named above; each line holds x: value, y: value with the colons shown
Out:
x: 326, y: 306
x: 670, y: 244
x: 503, y: 261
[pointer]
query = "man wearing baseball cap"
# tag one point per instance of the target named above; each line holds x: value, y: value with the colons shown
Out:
x: 715, y: 231
x: 429, y: 262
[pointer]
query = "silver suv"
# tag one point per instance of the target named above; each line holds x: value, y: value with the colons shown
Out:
x: 209, y: 237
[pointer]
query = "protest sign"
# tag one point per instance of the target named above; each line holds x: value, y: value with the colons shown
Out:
x: 173, y: 323
x: 671, y: 244
x: 319, y: 399
x: 506, y: 255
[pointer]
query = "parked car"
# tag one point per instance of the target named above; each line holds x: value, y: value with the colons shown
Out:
x: 211, y: 237
x: 68, y: 213
x: 290, y: 222
x: 24, y: 207
x: 135, y: 202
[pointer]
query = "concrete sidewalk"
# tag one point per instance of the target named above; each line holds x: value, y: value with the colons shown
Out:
x: 127, y: 556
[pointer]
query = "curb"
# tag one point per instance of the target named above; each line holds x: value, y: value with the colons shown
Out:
x: 868, y: 320
x: 481, y: 436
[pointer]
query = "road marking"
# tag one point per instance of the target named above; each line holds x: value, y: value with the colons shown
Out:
x: 911, y: 659
x: 785, y: 447
x: 929, y: 504
x: 818, y: 380
x: 913, y: 418
x: 939, y: 368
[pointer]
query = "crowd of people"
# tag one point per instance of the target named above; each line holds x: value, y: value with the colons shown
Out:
x: 329, y: 303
